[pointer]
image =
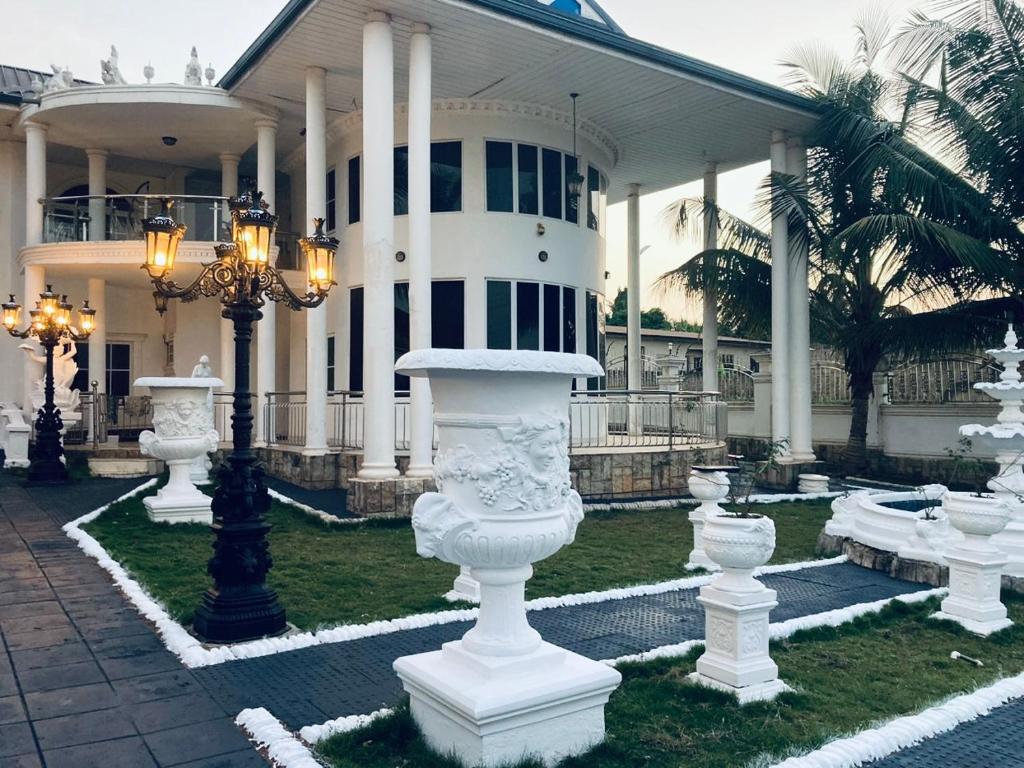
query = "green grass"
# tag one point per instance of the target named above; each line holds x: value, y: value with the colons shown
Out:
x: 846, y: 679
x: 329, y: 574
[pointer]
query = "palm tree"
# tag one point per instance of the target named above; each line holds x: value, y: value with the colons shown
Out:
x: 890, y: 277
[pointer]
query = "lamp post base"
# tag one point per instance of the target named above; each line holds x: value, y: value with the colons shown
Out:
x: 235, y: 618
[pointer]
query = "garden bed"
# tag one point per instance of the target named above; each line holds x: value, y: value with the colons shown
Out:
x: 328, y: 574
x: 846, y: 680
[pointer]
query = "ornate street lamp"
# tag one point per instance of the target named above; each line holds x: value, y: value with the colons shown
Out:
x: 240, y: 606
x: 50, y: 324
x: 575, y: 180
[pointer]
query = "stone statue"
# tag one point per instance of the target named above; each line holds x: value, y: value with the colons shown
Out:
x: 210, y: 74
x: 64, y: 370
x: 109, y: 71
x: 149, y: 73
x: 203, y: 369
x: 62, y: 78
x: 193, y: 70
x: 199, y: 472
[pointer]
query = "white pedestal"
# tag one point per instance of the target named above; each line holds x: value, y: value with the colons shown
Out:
x: 492, y: 710
x: 736, y: 658
x: 974, y: 584
x: 199, y: 470
x: 698, y: 557
x: 1010, y: 541
x: 179, y: 501
x: 812, y: 483
x: 464, y: 588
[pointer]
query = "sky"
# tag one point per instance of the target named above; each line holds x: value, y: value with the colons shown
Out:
x: 747, y: 36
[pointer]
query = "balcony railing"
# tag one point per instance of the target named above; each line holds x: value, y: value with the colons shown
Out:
x: 599, y: 419
x: 67, y: 220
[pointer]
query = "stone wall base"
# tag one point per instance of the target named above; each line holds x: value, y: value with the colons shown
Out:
x: 315, y: 473
x: 386, y: 498
x: 639, y: 473
x: 917, y: 571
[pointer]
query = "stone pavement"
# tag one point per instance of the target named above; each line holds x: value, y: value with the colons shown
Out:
x: 84, y: 681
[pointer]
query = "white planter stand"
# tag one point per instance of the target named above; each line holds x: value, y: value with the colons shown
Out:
x: 181, y: 434
x: 975, y: 565
x: 710, y: 485
x: 809, y: 483
x: 465, y: 587
x: 736, y: 611
x: 501, y: 694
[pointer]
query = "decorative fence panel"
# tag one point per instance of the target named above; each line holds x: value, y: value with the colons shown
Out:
x: 950, y: 380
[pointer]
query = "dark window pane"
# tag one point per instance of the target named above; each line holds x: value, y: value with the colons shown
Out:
x: 529, y: 192
x: 401, y: 331
x: 332, y: 208
x: 119, y: 356
x: 448, y: 314
x: 552, y: 316
x: 527, y: 316
x: 593, y: 196
x: 355, y: 340
x: 446, y: 176
x: 499, y: 314
x: 592, y: 336
x: 401, y: 181
x: 354, y: 188
x: 572, y: 203
x: 552, y: 162
x: 118, y: 384
x: 330, y: 363
x: 499, y: 176
x: 568, y: 319
x: 81, y: 380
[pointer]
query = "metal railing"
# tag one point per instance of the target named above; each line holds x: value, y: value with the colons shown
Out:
x: 103, y: 415
x: 599, y: 419
x: 830, y: 384
x: 949, y: 380
x: 736, y: 385
x: 616, y: 373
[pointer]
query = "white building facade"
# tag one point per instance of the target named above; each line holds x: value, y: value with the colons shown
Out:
x: 438, y: 139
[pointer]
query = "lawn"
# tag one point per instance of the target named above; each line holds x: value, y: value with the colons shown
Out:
x: 874, y: 668
x: 327, y: 574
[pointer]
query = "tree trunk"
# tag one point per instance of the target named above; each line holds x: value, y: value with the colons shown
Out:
x: 857, y: 443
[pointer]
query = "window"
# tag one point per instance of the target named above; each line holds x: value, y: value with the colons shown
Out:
x: 81, y: 380
x: 568, y: 319
x: 446, y: 176
x: 572, y: 202
x: 332, y: 208
x: 355, y: 340
x: 728, y: 361
x: 499, y: 314
x: 698, y: 363
x: 119, y: 370
x: 552, y: 183
x: 354, y: 188
x: 499, y: 176
x: 552, y: 318
x: 330, y: 363
x: 755, y: 366
x: 401, y: 331
x: 448, y: 314
x: 593, y: 197
x: 595, y: 342
x: 529, y: 176
x: 527, y: 316
x: 401, y: 181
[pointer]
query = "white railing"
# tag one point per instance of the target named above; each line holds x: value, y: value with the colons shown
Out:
x: 616, y: 373
x: 830, y: 383
x: 736, y: 385
x: 949, y: 380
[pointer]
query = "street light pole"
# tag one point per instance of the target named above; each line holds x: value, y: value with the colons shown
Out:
x: 240, y: 605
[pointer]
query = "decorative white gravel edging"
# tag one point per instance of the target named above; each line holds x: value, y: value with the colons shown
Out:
x: 267, y: 733
x: 193, y: 654
x: 656, y: 504
x: 327, y: 517
x: 910, y: 730
x: 314, y: 734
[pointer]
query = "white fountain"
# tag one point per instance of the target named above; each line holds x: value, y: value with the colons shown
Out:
x: 1006, y: 438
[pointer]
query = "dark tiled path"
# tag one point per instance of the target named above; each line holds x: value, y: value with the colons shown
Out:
x: 332, y: 501
x: 84, y: 681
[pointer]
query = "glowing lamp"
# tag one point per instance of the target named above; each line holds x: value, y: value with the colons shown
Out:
x: 86, y: 318
x: 11, y: 313
x: 163, y: 236
x: 252, y: 229
x: 37, y: 317
x: 319, y: 250
x: 49, y: 302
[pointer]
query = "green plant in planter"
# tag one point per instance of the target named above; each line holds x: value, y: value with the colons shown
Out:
x: 775, y: 449
x: 966, y: 464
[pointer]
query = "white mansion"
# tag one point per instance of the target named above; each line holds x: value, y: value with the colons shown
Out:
x: 463, y: 151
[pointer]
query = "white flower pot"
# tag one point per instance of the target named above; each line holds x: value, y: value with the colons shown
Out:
x: 739, y: 545
x: 977, y: 517
x: 504, y: 501
x: 182, y: 431
x: 710, y: 486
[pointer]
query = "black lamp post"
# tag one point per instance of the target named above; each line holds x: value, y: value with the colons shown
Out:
x: 50, y: 324
x: 240, y: 606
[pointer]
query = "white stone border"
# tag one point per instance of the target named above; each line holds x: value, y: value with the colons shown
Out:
x: 194, y: 654
x: 757, y: 498
x: 267, y: 733
x: 326, y: 517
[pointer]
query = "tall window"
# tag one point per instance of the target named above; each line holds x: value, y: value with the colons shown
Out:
x: 119, y: 369
x: 81, y: 380
x: 499, y: 176
x: 354, y: 189
x: 448, y: 314
x: 552, y: 184
x: 552, y: 318
x: 529, y: 180
x: 330, y: 363
x: 401, y: 331
x: 401, y: 181
x: 568, y: 319
x: 355, y: 340
x: 527, y: 316
x: 542, y: 314
x: 446, y: 176
x: 332, y: 207
x: 597, y: 199
x: 595, y: 336
x: 499, y: 314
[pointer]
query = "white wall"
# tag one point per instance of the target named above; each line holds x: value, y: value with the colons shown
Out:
x: 12, y: 237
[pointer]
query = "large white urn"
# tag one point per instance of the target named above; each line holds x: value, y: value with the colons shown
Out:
x: 504, y: 502
x: 976, y: 564
x: 182, y: 431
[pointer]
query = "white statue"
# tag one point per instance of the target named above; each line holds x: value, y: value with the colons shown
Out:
x: 193, y: 70
x: 203, y: 369
x: 149, y: 73
x: 62, y: 78
x: 64, y: 370
x: 109, y: 71
x: 199, y: 471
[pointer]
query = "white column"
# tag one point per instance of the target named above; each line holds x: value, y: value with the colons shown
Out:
x: 709, y: 335
x: 634, y: 370
x: 266, y: 329
x: 98, y: 340
x: 800, y: 326
x: 35, y: 283
x: 35, y: 186
x: 97, y: 186
x: 420, y: 87
x: 316, y: 207
x: 780, y: 308
x: 378, y: 248
x: 228, y: 188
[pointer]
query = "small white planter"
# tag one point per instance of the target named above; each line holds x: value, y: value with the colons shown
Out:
x: 975, y: 564
x: 809, y: 483
x: 504, y: 502
x: 182, y: 432
x: 709, y: 485
x: 736, y: 610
